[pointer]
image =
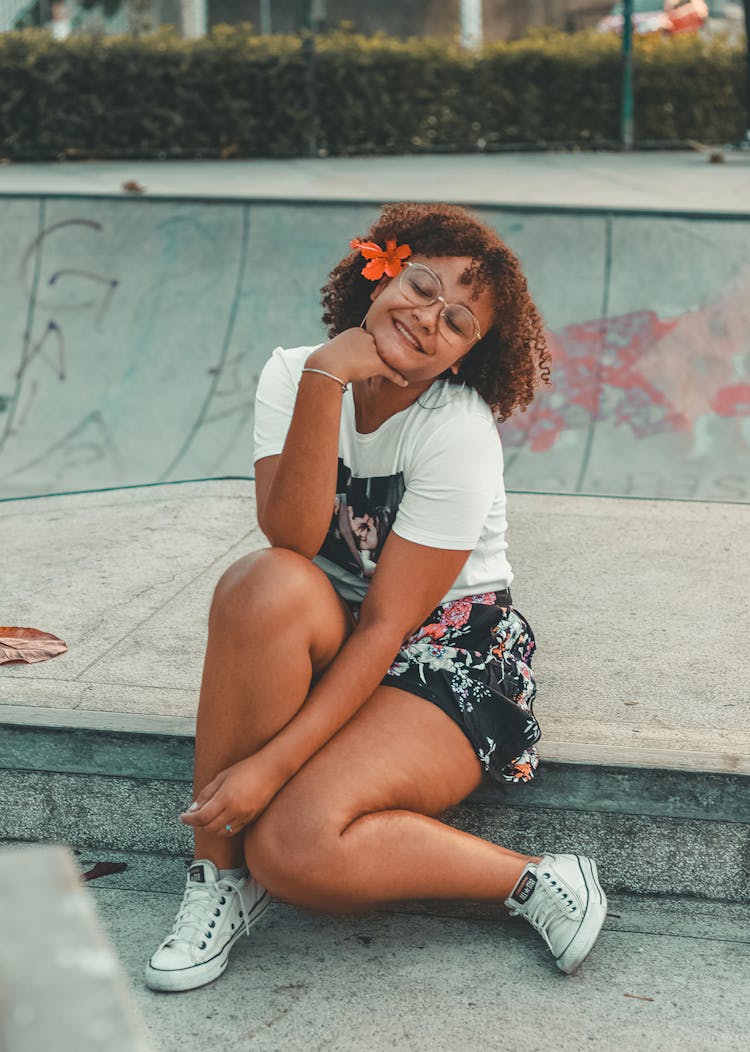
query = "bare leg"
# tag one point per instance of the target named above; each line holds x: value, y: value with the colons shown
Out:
x: 356, y: 827
x: 275, y: 623
x: 452, y: 864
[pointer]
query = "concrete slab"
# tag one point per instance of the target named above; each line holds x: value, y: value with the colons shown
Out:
x: 638, y: 607
x: 119, y: 561
x: 662, y: 180
x: 662, y: 976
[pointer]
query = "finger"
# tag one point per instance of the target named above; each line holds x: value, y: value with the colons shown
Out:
x: 208, y: 791
x: 217, y: 825
x: 197, y: 805
x: 389, y: 373
x: 202, y: 816
x: 392, y: 375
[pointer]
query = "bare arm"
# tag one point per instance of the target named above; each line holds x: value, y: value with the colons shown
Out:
x: 295, y: 490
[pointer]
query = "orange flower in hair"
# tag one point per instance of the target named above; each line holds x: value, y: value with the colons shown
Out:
x: 388, y: 260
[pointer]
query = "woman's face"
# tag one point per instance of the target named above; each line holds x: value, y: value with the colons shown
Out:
x: 409, y: 337
x: 365, y: 531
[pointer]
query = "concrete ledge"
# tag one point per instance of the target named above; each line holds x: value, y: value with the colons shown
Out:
x: 133, y: 747
x: 665, y: 181
x: 161, y: 749
x: 135, y: 725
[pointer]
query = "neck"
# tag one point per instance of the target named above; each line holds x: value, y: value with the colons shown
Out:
x: 377, y: 399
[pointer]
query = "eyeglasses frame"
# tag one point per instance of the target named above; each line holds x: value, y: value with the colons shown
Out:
x: 440, y: 299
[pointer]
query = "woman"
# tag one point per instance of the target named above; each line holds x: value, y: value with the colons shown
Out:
x: 346, y: 704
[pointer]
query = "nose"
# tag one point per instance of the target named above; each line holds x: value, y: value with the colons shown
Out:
x: 431, y: 312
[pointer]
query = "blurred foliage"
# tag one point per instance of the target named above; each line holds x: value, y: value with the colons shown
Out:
x: 236, y: 94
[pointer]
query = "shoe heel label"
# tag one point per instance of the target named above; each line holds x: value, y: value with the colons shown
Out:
x: 524, y: 888
x: 197, y: 875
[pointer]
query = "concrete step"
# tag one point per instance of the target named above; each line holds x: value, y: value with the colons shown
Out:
x: 653, y: 831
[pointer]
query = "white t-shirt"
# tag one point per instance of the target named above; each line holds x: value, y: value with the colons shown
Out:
x: 433, y: 473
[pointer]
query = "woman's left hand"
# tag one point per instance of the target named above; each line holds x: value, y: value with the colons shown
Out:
x: 234, y: 798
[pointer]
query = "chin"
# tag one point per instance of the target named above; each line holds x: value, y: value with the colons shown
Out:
x: 392, y: 354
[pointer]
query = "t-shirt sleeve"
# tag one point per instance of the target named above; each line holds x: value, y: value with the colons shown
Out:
x: 452, y: 485
x: 274, y: 405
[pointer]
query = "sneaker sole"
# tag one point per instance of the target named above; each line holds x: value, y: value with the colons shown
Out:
x: 594, y: 916
x: 191, y: 978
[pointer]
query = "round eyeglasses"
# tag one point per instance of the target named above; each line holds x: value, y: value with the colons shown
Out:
x: 422, y: 287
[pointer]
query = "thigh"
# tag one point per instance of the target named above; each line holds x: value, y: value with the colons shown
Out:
x: 398, y: 752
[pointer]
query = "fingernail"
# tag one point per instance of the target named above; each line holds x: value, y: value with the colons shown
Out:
x: 193, y: 807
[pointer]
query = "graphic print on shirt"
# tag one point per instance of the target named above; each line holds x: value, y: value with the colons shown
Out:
x: 363, y: 514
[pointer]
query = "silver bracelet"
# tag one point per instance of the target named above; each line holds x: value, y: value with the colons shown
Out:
x: 344, y: 387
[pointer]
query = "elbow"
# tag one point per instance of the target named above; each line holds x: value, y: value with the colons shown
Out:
x: 298, y: 549
x: 292, y: 544
x: 293, y: 541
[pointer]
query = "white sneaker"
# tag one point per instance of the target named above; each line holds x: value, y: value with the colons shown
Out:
x: 561, y: 897
x: 213, y: 914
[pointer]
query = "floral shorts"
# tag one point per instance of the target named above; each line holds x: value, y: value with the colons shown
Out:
x: 472, y: 658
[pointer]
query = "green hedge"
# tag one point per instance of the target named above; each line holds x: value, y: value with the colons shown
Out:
x: 234, y: 94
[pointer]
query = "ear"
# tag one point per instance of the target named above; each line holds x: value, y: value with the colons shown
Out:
x: 456, y: 366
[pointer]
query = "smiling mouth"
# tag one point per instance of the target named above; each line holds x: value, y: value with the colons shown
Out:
x: 407, y: 336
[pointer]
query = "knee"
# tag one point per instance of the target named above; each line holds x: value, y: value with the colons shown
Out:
x: 264, y: 853
x: 297, y: 859
x: 266, y: 583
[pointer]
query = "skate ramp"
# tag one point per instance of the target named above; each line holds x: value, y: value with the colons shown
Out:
x: 134, y: 331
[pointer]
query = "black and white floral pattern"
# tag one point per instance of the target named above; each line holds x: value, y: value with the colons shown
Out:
x: 472, y: 657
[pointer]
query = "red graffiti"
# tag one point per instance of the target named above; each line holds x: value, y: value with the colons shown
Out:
x: 649, y: 374
x: 732, y: 401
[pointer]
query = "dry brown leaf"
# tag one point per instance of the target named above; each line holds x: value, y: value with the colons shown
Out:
x: 28, y: 644
x: 103, y: 869
x: 131, y: 186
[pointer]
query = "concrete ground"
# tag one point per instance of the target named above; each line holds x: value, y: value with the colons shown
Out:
x: 659, y: 180
x: 665, y: 975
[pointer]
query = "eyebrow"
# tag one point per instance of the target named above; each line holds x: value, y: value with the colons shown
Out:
x: 458, y: 302
x: 461, y: 302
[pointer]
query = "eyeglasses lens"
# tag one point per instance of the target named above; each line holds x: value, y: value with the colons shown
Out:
x: 421, y: 287
x: 419, y: 284
x: 459, y: 321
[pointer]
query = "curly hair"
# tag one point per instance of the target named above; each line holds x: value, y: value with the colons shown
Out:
x: 508, y: 363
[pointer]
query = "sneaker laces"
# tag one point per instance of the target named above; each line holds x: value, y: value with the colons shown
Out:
x: 550, y: 901
x: 198, y: 902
